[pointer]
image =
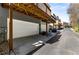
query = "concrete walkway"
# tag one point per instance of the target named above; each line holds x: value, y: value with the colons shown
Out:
x: 24, y: 45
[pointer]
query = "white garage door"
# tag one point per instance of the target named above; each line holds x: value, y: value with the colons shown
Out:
x: 43, y: 26
x: 23, y: 28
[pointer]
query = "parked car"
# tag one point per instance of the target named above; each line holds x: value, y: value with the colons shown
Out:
x: 54, y: 30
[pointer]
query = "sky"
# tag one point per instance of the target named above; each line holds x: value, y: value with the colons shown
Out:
x: 60, y: 9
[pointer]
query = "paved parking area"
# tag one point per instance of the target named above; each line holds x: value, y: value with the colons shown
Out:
x: 68, y: 44
x: 24, y: 45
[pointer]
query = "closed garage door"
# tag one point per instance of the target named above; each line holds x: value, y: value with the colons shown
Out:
x: 43, y: 26
x: 23, y: 28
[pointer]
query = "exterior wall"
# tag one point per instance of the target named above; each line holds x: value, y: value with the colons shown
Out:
x: 51, y: 25
x: 48, y: 12
x: 56, y: 24
x: 42, y: 6
x: 47, y: 4
x: 3, y: 16
x: 3, y: 22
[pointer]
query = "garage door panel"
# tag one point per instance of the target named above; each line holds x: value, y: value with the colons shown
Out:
x: 22, y: 28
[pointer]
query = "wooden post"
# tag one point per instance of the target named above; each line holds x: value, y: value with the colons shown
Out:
x: 53, y: 25
x: 46, y: 27
x: 39, y: 27
x: 10, y: 41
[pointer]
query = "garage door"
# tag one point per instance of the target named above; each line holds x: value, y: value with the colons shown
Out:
x: 23, y: 28
x: 43, y: 26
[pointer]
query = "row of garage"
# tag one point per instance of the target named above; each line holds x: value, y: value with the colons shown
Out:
x: 22, y: 25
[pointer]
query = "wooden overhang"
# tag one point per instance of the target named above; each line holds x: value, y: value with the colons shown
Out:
x: 30, y: 9
x: 53, y: 19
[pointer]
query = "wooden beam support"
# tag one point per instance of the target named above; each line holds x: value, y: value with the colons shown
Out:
x: 10, y: 41
x: 40, y: 27
x: 10, y: 29
x: 46, y: 27
x: 53, y: 25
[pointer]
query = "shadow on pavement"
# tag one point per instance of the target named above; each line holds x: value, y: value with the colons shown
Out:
x: 54, y: 39
x: 31, y: 52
